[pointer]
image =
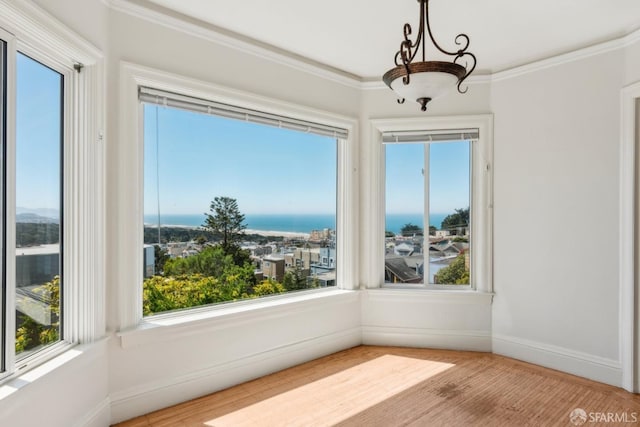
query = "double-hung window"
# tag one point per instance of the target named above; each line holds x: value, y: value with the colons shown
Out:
x: 49, y: 183
x: 436, y: 208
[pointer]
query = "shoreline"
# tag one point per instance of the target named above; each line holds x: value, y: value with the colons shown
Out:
x: 265, y: 233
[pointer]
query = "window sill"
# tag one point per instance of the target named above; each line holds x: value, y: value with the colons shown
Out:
x: 164, y: 327
x: 65, y: 353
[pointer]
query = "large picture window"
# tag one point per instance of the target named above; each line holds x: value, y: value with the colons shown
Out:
x: 238, y: 204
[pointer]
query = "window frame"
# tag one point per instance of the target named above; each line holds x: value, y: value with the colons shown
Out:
x: 132, y: 77
x: 481, y: 198
x: 29, y: 30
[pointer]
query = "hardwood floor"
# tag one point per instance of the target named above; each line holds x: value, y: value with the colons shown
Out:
x: 390, y: 386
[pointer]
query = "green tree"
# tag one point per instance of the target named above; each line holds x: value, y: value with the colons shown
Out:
x: 410, y: 229
x: 31, y: 334
x: 458, y: 219
x: 225, y: 219
x: 432, y: 230
x: 161, y: 256
x: 389, y: 234
x: 162, y: 294
x: 455, y: 273
x: 268, y: 287
x: 294, y: 279
x: 211, y: 262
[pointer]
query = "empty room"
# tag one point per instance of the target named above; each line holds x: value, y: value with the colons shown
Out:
x: 357, y: 213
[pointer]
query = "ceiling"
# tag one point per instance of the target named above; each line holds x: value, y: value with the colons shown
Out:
x: 360, y: 37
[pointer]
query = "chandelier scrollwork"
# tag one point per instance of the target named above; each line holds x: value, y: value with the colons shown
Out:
x: 406, y: 67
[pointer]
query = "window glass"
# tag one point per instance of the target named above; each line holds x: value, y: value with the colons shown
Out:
x: 38, y: 205
x: 234, y: 210
x: 427, y: 213
x: 449, y: 201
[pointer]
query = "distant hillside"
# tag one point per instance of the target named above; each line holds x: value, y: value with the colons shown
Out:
x: 33, y: 218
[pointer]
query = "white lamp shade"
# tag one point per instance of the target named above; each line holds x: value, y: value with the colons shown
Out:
x: 430, y: 84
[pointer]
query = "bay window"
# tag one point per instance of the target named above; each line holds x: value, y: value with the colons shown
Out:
x: 51, y: 165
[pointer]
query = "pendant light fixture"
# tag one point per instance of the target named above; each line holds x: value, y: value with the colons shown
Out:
x: 424, y: 80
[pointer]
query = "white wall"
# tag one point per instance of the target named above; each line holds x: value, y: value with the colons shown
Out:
x: 412, y: 317
x: 632, y: 63
x: 556, y: 216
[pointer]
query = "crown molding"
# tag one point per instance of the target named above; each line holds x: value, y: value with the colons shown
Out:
x: 152, y: 13
x: 226, y: 38
x: 33, y: 24
x: 568, y: 57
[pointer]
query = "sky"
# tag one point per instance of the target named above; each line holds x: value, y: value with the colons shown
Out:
x: 268, y: 170
x: 278, y: 171
x: 38, y: 143
x: 448, y: 170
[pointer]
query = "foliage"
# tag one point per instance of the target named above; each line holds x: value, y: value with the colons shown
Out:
x: 187, y: 234
x: 294, y: 279
x: 211, y: 261
x: 389, y: 234
x: 31, y: 334
x: 432, y: 230
x: 34, y: 234
x: 410, y: 229
x: 175, y: 234
x: 268, y: 287
x: 171, y: 293
x: 455, y: 273
x: 225, y: 218
x: 458, y: 219
x: 161, y: 257
x: 208, y: 277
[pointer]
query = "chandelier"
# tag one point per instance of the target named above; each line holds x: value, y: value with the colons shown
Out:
x: 425, y: 80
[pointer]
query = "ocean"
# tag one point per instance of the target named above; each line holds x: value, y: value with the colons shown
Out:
x: 293, y: 223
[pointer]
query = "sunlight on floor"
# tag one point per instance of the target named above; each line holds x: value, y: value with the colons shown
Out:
x: 337, y: 397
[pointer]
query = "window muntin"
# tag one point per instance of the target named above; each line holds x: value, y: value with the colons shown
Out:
x: 38, y: 209
x: 284, y: 181
x: 427, y: 233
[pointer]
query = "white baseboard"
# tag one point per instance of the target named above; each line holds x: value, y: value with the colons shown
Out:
x: 427, y: 338
x: 149, y: 397
x: 99, y: 416
x: 585, y: 365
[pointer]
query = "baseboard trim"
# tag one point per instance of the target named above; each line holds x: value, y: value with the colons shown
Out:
x: 427, y: 338
x: 585, y: 365
x: 149, y: 397
x: 99, y: 416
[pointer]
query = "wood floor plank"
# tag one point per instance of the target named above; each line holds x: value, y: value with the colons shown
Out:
x: 390, y: 386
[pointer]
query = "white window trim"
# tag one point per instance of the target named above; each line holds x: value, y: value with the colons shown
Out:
x: 130, y: 179
x: 481, y: 197
x: 39, y: 35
